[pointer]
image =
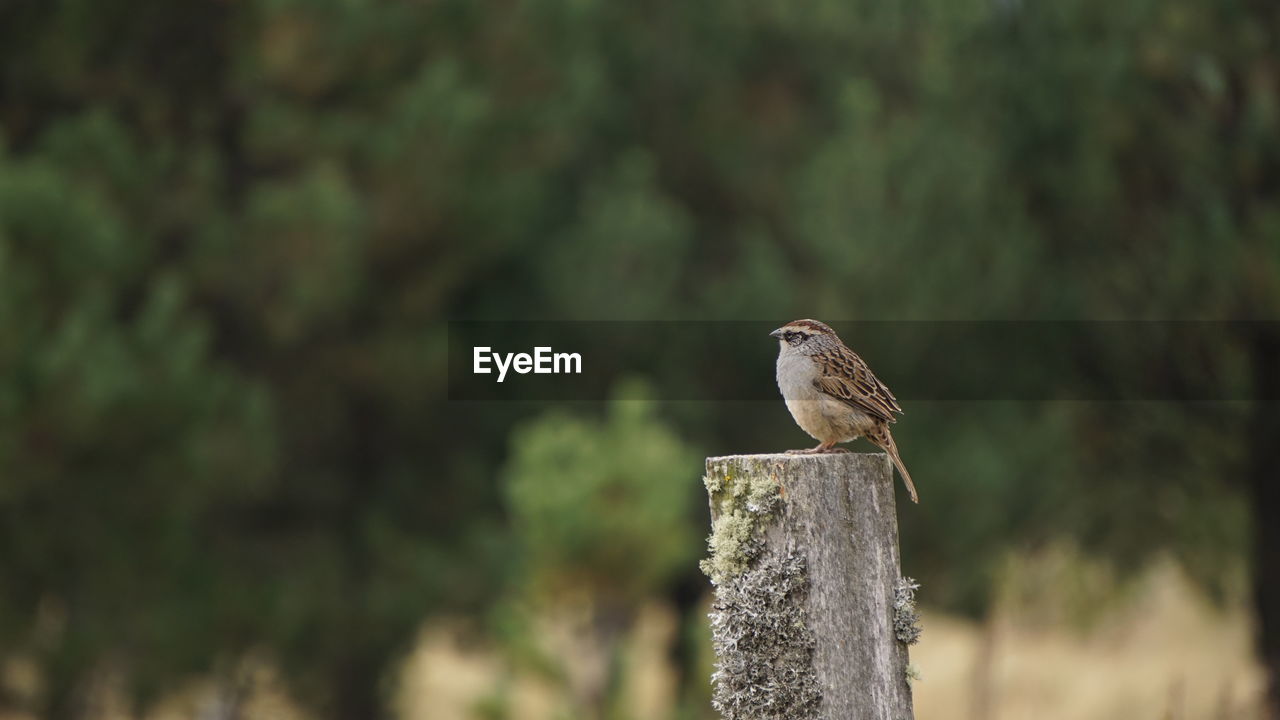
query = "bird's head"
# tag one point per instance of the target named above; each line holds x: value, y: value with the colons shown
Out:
x: 803, y: 335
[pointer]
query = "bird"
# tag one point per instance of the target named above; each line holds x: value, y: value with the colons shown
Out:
x: 833, y: 395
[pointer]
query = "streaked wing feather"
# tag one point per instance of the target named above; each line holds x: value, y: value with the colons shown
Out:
x: 847, y: 377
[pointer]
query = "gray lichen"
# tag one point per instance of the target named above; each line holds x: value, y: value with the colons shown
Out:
x: 763, y: 643
x: 906, y: 621
x: 741, y: 502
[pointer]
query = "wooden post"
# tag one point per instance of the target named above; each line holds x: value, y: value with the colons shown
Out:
x: 811, y: 618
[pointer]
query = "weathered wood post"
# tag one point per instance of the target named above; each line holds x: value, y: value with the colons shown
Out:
x: 811, y: 618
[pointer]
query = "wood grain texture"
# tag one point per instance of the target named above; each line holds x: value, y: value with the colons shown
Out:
x: 803, y: 618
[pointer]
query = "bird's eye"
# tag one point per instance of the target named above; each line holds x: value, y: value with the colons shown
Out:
x: 790, y: 336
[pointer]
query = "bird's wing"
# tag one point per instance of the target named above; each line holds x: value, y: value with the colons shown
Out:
x: 846, y: 376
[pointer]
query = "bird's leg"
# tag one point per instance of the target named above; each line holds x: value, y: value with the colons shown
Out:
x: 822, y: 447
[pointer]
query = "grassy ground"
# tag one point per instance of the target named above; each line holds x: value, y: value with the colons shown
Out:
x: 1161, y: 651
x: 1154, y: 650
x: 1165, y: 654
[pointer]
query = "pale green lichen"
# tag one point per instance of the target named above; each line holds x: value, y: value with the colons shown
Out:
x: 741, y: 501
x: 760, y: 632
x: 913, y: 674
x: 906, y: 621
x: 763, y: 644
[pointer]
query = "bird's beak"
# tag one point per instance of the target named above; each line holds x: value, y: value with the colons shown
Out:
x: 776, y: 333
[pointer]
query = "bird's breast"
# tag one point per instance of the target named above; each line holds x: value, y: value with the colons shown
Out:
x: 824, y: 417
x: 796, y: 375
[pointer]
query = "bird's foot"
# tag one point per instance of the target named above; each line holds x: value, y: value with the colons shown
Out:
x: 821, y: 449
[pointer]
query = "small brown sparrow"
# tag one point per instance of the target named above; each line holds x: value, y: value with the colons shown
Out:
x: 832, y: 394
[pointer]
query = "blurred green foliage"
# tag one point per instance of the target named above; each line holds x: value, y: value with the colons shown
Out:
x: 600, y: 522
x: 230, y: 233
x: 603, y: 507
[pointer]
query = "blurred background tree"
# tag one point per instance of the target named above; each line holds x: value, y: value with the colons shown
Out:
x: 601, y: 519
x: 230, y: 233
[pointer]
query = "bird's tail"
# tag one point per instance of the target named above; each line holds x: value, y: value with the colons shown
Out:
x: 884, y: 440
